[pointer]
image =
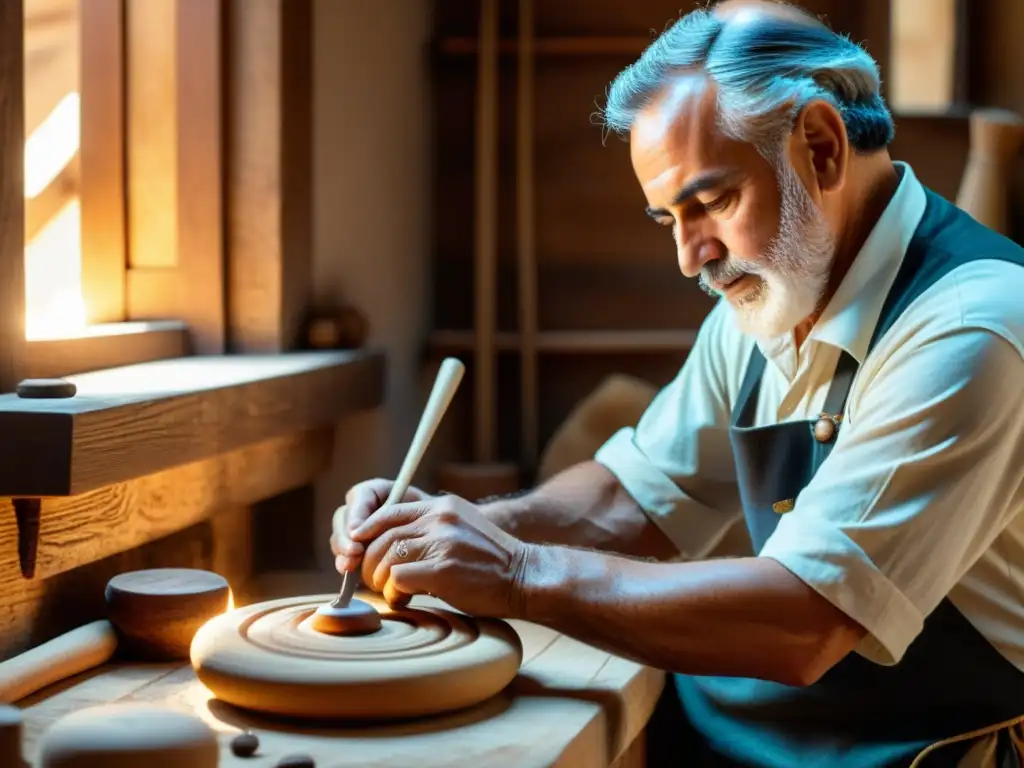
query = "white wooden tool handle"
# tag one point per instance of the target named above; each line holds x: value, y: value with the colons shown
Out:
x: 74, y: 652
x: 447, y: 382
x: 445, y: 385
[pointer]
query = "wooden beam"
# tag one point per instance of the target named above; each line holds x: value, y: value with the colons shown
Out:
x: 126, y: 423
x: 12, y: 192
x: 526, y: 240
x: 485, y: 269
x: 112, y: 346
x: 269, y: 172
x: 81, y: 529
x: 102, y: 160
x: 200, y: 272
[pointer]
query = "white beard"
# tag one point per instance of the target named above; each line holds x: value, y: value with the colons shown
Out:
x: 794, y: 268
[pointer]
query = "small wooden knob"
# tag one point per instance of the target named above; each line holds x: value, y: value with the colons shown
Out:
x: 46, y: 389
x: 357, y: 618
x: 824, y: 428
x: 157, y: 612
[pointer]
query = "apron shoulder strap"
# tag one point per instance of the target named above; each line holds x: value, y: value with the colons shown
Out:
x: 842, y: 380
x: 746, y: 401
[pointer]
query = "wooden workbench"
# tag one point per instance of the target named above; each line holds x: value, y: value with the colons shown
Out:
x: 571, y: 705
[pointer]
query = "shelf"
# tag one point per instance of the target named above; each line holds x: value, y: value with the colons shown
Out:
x: 553, y: 46
x: 126, y: 423
x: 574, y: 342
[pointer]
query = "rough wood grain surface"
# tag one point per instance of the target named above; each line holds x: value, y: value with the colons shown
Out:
x: 81, y: 529
x: 34, y: 611
x: 130, y: 422
x: 571, y: 705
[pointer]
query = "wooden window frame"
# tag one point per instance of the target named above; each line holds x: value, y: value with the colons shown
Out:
x: 185, y: 300
x: 239, y: 168
x: 238, y: 154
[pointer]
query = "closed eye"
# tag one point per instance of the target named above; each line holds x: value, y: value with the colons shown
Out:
x: 719, y: 204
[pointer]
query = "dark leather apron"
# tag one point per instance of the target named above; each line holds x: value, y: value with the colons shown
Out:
x: 951, y: 680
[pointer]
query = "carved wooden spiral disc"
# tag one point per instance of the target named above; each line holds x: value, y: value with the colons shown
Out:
x: 268, y: 657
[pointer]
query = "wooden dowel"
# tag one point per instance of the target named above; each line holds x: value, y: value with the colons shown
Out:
x: 485, y: 361
x: 526, y: 238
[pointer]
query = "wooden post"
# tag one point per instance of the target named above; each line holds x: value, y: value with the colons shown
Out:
x: 103, y: 202
x: 269, y: 172
x: 175, y: 166
x: 485, y: 360
x: 199, y: 81
x: 12, y: 192
x: 526, y: 240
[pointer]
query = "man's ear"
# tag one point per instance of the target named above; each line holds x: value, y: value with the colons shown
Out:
x: 819, y: 146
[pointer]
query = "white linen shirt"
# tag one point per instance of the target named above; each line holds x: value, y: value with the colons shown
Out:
x: 922, y: 493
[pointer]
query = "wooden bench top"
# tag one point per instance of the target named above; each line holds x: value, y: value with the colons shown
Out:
x: 571, y: 705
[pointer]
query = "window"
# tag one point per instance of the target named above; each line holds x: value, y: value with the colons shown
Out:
x: 53, y: 263
x: 123, y: 178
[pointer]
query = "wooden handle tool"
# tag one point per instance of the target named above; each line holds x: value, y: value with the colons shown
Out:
x: 449, y: 376
x: 69, y: 654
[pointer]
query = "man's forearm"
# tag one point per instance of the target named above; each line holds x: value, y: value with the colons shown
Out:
x: 745, y: 617
x: 584, y: 506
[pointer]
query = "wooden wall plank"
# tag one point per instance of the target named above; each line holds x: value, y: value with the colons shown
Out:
x: 102, y: 177
x: 269, y: 172
x: 12, y: 192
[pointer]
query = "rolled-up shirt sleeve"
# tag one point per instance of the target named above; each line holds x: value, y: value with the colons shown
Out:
x: 677, y: 463
x: 925, y: 474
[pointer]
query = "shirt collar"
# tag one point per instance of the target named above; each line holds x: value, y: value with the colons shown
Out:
x: 849, y: 319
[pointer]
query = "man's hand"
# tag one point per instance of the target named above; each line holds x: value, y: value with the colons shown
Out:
x: 361, y: 501
x: 444, y: 547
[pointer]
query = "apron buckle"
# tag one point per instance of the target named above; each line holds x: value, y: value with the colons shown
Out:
x: 826, y: 426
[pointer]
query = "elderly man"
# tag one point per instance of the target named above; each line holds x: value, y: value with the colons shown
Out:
x: 856, y: 395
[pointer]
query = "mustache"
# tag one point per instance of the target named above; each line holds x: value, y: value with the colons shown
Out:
x: 722, y: 272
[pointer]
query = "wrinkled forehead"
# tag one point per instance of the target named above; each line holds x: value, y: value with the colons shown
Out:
x: 678, y: 135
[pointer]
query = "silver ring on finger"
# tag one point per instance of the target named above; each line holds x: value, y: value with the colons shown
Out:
x: 402, y: 549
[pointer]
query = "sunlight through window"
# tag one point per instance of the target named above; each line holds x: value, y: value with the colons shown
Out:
x: 55, y: 307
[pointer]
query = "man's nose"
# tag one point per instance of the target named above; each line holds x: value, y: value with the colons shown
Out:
x: 694, y: 255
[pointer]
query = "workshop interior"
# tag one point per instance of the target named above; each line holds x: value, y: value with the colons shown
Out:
x: 253, y: 252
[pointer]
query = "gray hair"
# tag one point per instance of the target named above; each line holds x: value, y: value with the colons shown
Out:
x: 766, y: 67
